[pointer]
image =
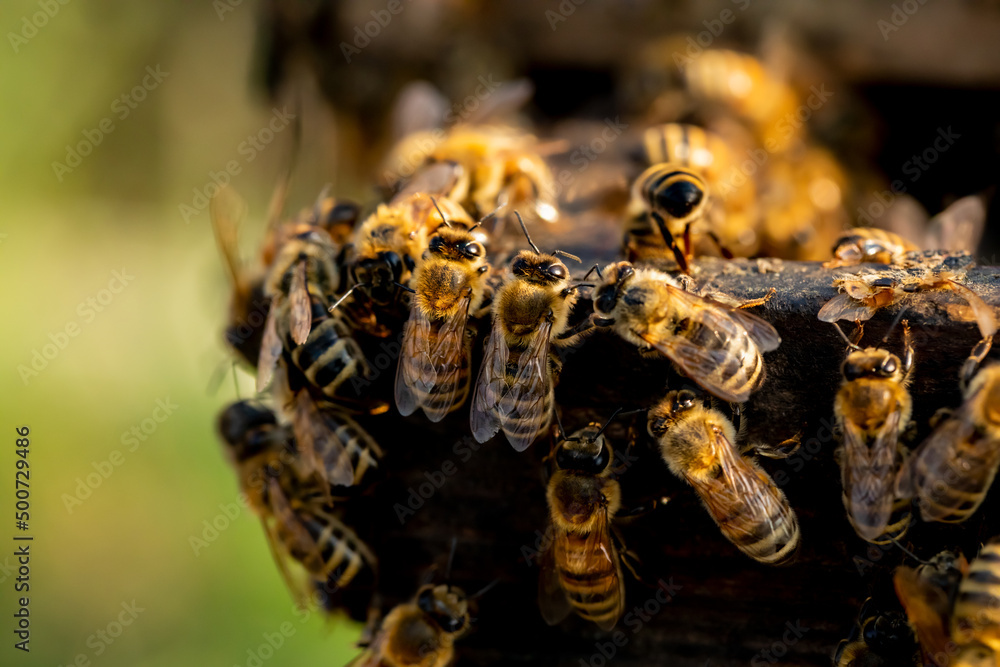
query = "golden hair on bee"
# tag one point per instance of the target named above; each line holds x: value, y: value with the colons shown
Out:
x: 514, y: 390
x: 718, y: 346
x: 698, y: 445
x: 449, y: 285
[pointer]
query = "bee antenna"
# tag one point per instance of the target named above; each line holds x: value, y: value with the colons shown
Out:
x: 484, y: 590
x: 899, y: 316
x: 347, y: 294
x: 440, y: 212
x: 594, y: 268
x: 236, y: 382
x: 319, y: 203
x: 606, y: 424
x: 451, y: 560
x: 527, y: 236
x: 908, y: 552
x: 847, y: 340
x: 485, y: 218
x: 408, y: 289
x: 566, y: 254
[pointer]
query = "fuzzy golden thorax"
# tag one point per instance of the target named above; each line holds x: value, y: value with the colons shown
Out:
x: 687, y: 432
x: 537, y: 289
x: 873, y: 387
x: 455, y: 262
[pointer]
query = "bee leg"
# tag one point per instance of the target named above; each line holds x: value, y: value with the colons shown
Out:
x: 971, y: 364
x: 726, y: 252
x: 671, y: 242
x: 782, y: 450
x: 753, y: 303
x: 595, y: 267
x: 372, y: 622
x: 643, y: 509
x: 940, y: 415
x: 907, y: 353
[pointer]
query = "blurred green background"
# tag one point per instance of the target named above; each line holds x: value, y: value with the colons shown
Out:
x: 62, y: 235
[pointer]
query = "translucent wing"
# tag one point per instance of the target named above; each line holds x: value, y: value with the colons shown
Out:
x: 926, y: 608
x: 552, y: 600
x: 959, y: 227
x: 985, y: 317
x: 843, y: 307
x: 870, y: 475
x: 421, y: 369
x: 741, y: 490
x: 320, y: 447
x: 227, y: 211
x: 599, y: 552
x: 299, y: 305
x: 270, y: 348
x: 491, y: 386
x: 285, y: 533
x: 438, y: 178
x: 761, y: 332
x: 528, y: 396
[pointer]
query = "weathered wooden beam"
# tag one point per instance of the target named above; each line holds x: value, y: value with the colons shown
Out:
x: 724, y: 609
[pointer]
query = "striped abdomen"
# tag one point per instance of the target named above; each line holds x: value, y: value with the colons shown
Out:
x: 358, y: 445
x: 740, y: 371
x: 340, y: 556
x: 952, y: 478
x: 442, y: 383
x: 592, y: 581
x: 330, y: 356
x: 865, y: 522
x: 975, y: 619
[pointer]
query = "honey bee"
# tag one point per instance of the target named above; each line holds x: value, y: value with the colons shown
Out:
x: 515, y: 387
x: 951, y: 471
x: 731, y: 212
x: 388, y: 244
x: 881, y: 637
x: 697, y: 443
x: 292, y: 503
x: 953, y: 606
x: 422, y: 632
x: 872, y: 408
x: 716, y: 345
x: 869, y: 245
x: 502, y: 168
x: 862, y: 295
x: 676, y: 198
x: 581, y: 570
x: 449, y: 284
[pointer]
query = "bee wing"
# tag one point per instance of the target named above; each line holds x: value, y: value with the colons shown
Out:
x: 740, y: 486
x: 870, y: 474
x: 438, y: 178
x: 281, y: 513
x: 957, y: 428
x: 761, y: 332
x: 437, y: 366
x: 319, y: 444
x: 270, y: 348
x: 843, y: 307
x: 552, y: 600
x: 985, y: 317
x: 926, y: 608
x: 531, y: 385
x: 959, y: 227
x: 300, y: 307
x: 600, y: 547
x: 491, y: 386
x: 227, y: 211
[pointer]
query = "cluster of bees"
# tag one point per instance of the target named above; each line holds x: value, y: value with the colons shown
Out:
x: 426, y: 266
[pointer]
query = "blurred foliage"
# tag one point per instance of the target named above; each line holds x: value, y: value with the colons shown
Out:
x: 158, y: 338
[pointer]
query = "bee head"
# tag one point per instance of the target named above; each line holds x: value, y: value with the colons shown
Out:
x: 456, y: 243
x: 246, y: 427
x: 381, y: 274
x: 680, y: 199
x: 616, y: 280
x: 666, y: 413
x: 331, y: 213
x: 584, y: 454
x: 871, y: 363
x: 888, y: 633
x: 539, y: 268
x: 447, y: 605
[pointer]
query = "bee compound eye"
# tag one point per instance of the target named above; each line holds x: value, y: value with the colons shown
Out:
x: 558, y: 271
x: 685, y: 400
x: 890, y: 365
x: 474, y: 249
x: 680, y: 199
